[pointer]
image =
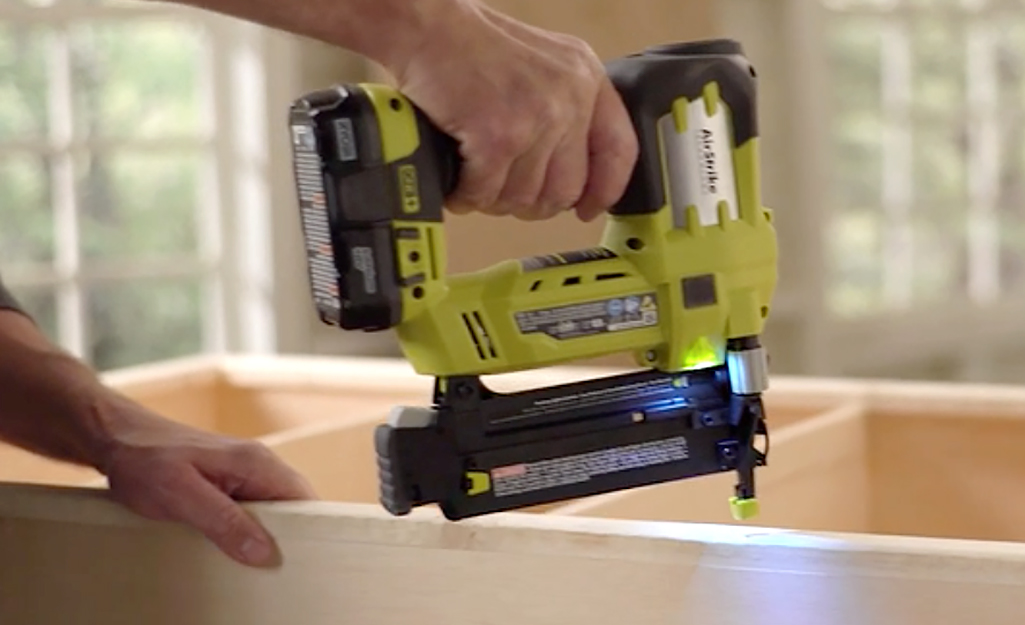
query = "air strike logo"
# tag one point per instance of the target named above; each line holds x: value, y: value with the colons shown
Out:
x: 709, y: 175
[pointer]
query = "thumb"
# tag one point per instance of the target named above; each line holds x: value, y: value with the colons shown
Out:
x: 233, y: 530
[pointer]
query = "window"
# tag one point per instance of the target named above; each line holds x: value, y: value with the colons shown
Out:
x: 116, y: 176
x: 926, y: 120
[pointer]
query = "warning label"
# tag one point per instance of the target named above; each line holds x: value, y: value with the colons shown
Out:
x: 533, y: 476
x: 589, y: 318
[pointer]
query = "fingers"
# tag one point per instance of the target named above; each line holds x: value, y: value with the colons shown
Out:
x: 186, y: 476
x: 538, y: 122
x: 538, y: 185
x: 482, y: 177
x: 251, y: 471
x: 200, y: 504
x: 566, y: 173
x: 561, y: 138
x: 613, y: 151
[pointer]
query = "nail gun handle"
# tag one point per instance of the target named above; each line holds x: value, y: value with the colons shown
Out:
x: 692, y: 105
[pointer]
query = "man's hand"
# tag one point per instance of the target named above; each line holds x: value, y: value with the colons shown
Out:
x: 166, y: 471
x: 55, y: 406
x: 542, y: 128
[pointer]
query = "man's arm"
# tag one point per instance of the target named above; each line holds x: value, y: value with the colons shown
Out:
x: 387, y: 31
x: 48, y: 397
x: 54, y: 405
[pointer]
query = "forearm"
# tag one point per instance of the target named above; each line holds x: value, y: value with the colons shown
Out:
x: 50, y: 403
x: 387, y: 31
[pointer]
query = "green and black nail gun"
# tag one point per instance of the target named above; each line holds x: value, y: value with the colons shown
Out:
x: 683, y: 278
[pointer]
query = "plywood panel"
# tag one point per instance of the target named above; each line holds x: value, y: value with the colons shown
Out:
x: 957, y: 477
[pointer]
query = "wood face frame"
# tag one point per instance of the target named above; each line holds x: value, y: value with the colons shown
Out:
x: 69, y: 555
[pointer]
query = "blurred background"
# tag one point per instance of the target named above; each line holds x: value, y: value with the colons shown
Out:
x: 147, y: 209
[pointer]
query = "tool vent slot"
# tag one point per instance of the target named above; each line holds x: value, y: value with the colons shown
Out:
x: 574, y: 280
x: 479, y: 335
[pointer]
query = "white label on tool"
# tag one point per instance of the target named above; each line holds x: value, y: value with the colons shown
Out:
x: 363, y: 261
x: 615, y: 314
x: 562, y: 471
x: 699, y: 164
x: 345, y: 137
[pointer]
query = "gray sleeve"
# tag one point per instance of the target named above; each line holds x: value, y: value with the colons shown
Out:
x: 7, y: 300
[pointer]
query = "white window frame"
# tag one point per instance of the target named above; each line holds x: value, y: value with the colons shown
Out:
x: 969, y: 339
x: 247, y: 90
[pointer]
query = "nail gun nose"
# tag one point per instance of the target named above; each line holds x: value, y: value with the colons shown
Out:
x: 748, y: 366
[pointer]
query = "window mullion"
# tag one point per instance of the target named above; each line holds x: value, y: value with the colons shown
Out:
x: 226, y: 293
x: 210, y: 203
x: 70, y: 307
x: 983, y: 163
x: 897, y: 165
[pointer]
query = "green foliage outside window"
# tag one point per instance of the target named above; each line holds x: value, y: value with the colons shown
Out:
x: 131, y: 80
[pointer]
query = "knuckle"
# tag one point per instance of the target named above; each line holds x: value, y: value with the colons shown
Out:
x: 252, y: 453
x: 621, y: 146
x: 501, y: 139
x: 558, y: 112
x: 579, y: 49
x: 584, y: 62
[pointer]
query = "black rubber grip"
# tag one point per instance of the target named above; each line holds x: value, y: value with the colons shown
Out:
x: 392, y: 492
x: 445, y: 148
x: 649, y: 82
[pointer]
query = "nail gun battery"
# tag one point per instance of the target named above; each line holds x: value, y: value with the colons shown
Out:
x: 360, y: 194
x: 478, y: 451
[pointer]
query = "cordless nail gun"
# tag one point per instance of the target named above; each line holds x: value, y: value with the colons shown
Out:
x: 683, y: 279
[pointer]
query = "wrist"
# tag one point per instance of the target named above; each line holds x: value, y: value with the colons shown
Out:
x: 101, y: 421
x: 81, y: 412
x: 393, y: 33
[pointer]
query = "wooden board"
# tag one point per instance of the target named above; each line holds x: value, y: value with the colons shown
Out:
x: 69, y: 557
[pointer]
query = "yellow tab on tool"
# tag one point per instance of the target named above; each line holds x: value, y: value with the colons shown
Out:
x: 480, y: 482
x: 743, y: 509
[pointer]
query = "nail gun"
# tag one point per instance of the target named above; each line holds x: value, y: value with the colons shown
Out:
x: 682, y: 278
